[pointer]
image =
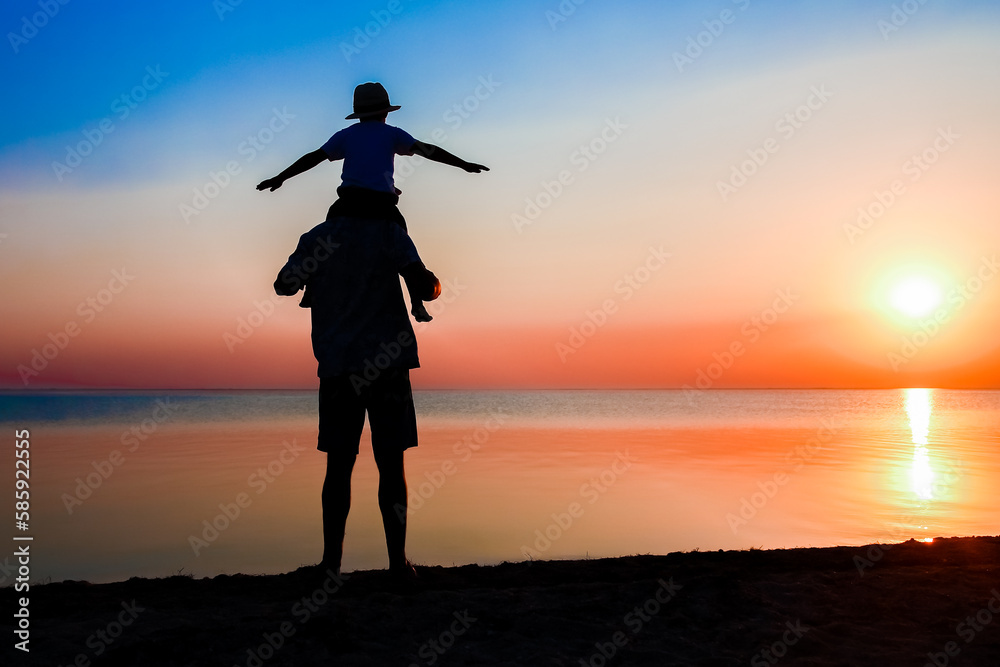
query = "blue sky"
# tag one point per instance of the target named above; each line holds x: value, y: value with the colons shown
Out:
x: 555, y: 84
x: 85, y: 57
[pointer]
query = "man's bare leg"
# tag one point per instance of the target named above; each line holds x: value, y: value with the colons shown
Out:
x: 336, y: 505
x: 392, y: 505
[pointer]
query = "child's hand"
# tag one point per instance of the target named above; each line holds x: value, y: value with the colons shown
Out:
x: 271, y: 184
x: 474, y: 168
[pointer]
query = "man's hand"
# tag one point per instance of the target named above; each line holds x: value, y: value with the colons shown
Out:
x: 421, y: 283
x: 474, y: 168
x: 271, y: 184
x: 286, y: 284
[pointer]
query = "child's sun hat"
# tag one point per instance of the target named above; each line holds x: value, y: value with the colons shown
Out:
x: 370, y: 99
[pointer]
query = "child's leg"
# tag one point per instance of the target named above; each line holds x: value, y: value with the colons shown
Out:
x: 418, y: 310
x: 422, y: 285
x: 415, y: 284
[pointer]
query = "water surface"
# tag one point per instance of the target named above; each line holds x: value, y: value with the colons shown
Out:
x: 124, y: 483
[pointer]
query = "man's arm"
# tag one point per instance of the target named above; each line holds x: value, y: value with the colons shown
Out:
x: 291, y: 277
x: 420, y: 283
x: 438, y: 154
x: 304, y: 163
x: 288, y: 283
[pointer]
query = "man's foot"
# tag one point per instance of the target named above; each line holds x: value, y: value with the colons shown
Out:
x: 420, y: 313
x: 320, y: 568
x: 403, y: 573
x: 329, y: 569
x: 404, y: 581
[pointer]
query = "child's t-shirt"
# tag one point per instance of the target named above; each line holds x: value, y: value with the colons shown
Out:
x: 368, y: 150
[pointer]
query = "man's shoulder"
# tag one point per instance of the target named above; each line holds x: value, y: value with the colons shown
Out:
x: 348, y: 228
x: 324, y: 230
x: 318, y: 229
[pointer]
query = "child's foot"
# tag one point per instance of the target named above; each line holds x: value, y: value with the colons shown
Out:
x: 420, y: 313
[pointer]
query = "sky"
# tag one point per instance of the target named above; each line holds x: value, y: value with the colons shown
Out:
x: 686, y: 194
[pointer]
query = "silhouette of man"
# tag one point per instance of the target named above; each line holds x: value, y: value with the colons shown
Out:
x: 364, y: 345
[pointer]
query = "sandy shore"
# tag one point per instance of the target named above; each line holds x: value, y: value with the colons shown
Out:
x: 906, y: 604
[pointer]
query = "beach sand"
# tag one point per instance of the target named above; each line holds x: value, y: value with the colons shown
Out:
x: 903, y: 604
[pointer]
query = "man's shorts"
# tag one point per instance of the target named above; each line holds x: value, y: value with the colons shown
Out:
x: 388, y: 400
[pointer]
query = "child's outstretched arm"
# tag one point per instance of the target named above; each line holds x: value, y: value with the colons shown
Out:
x: 304, y: 163
x: 438, y: 154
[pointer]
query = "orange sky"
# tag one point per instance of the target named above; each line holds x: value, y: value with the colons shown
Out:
x: 695, y: 357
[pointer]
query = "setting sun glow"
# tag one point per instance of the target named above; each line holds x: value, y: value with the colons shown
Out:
x: 916, y: 296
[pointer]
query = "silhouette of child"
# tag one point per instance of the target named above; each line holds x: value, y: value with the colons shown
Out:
x: 368, y: 149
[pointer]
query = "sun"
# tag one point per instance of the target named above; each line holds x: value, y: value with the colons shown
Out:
x: 915, y: 295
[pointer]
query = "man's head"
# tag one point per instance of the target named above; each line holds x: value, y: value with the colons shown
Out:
x: 371, y: 102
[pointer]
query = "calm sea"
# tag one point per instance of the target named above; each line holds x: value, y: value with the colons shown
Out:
x: 150, y: 484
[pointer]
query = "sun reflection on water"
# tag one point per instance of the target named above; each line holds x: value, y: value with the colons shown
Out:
x: 918, y: 408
